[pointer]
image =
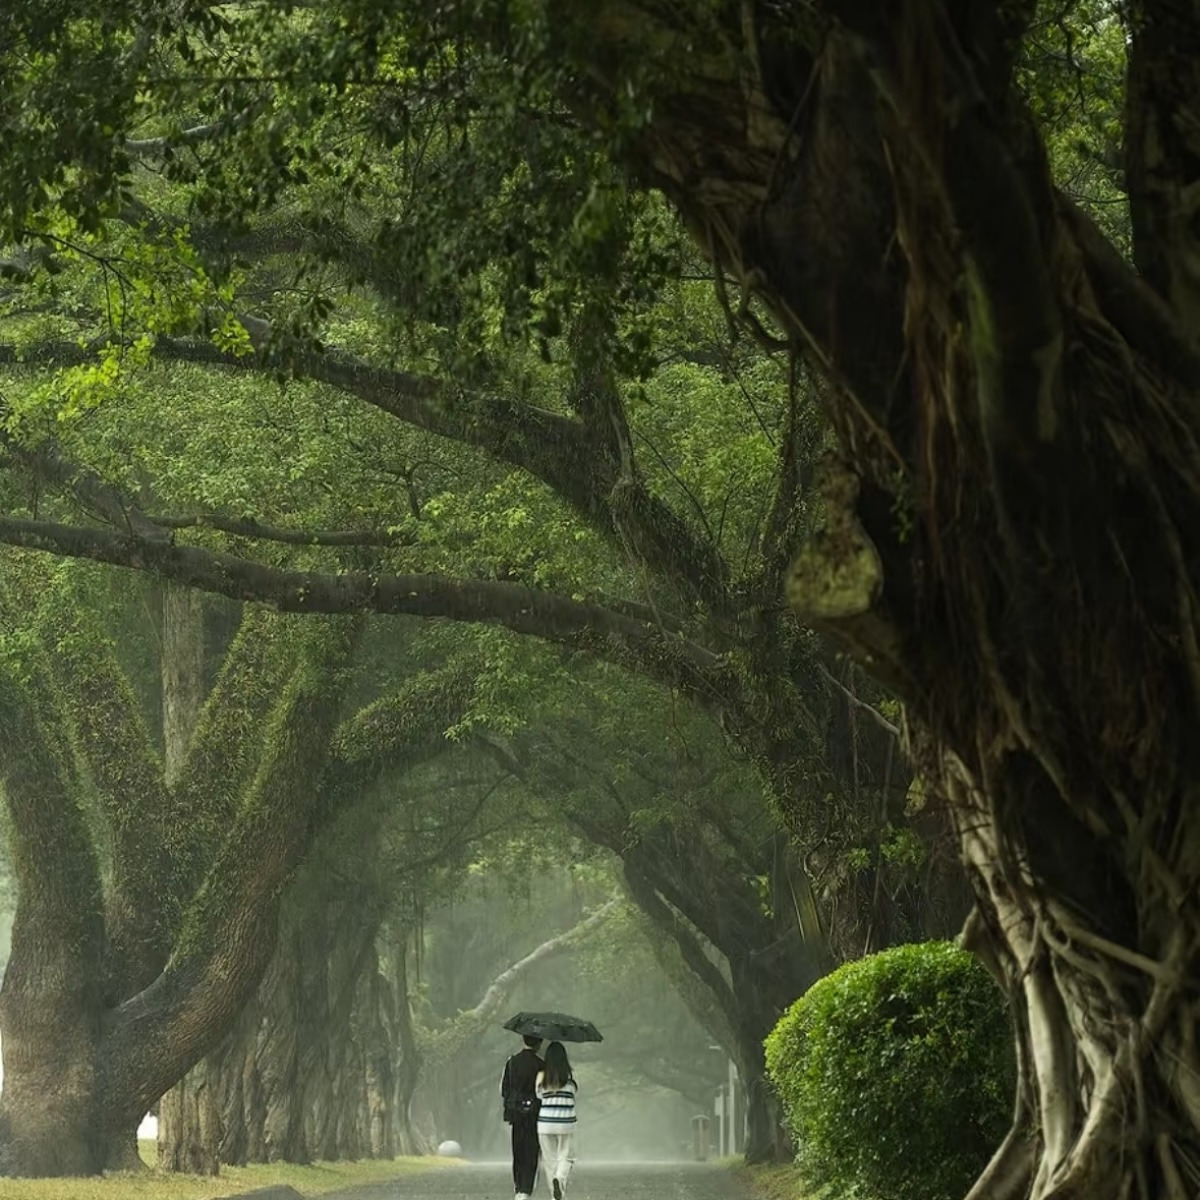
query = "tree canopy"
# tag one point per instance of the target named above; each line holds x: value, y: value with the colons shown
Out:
x: 968, y: 231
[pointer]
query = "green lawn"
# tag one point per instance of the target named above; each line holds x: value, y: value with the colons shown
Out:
x: 771, y: 1182
x: 154, y: 1185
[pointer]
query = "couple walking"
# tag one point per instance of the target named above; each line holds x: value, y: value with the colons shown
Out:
x: 539, y: 1103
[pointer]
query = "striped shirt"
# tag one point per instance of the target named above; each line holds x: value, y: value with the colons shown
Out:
x: 557, y: 1114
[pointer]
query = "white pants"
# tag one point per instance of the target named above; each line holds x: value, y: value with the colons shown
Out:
x: 558, y: 1157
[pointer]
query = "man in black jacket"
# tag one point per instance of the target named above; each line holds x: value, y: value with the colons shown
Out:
x: 521, y: 1112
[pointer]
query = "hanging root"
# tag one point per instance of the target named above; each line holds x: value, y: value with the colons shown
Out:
x: 1108, y: 1094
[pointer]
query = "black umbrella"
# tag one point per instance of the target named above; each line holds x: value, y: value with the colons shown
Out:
x: 554, y: 1027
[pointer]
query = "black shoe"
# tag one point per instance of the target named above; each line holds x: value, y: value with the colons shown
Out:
x: 556, y: 1188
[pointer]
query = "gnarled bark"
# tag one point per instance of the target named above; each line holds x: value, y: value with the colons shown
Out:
x: 1011, y: 527
x: 98, y: 1027
x: 274, y: 1079
x: 1030, y: 406
x: 52, y: 1121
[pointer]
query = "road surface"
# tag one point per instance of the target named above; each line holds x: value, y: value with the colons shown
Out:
x: 591, y: 1181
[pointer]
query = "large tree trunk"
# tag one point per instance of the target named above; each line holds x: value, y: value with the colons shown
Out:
x: 771, y: 958
x: 276, y: 1091
x: 189, y: 1123
x: 1012, y: 532
x: 242, y: 1107
x: 381, y: 1055
x: 276, y: 1083
x: 766, y: 1139
x: 189, y: 1116
x: 92, y: 1036
x: 99, y: 1017
x: 293, y: 1027
x: 333, y: 1004
x: 52, y: 1117
x: 409, y: 1068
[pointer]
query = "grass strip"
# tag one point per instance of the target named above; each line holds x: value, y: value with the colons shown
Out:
x: 316, y: 1180
x: 773, y: 1181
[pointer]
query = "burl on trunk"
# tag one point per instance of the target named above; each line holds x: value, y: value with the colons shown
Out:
x: 1013, y: 521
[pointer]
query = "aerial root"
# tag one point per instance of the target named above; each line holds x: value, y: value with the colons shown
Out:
x: 1172, y: 1179
x: 1011, y: 1170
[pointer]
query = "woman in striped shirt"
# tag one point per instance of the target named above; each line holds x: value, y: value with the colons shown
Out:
x: 556, y: 1088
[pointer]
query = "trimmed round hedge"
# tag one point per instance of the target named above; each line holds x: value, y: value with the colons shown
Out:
x: 896, y: 1073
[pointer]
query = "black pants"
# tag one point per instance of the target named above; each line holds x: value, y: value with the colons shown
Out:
x: 525, y: 1151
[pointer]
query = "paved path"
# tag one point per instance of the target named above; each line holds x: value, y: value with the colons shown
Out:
x: 591, y: 1181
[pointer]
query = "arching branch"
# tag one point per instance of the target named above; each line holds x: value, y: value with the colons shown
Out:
x: 127, y: 775
x: 85, y: 486
x: 395, y: 732
x: 224, y: 749
x: 467, y: 1025
x: 561, y: 452
x: 228, y: 934
x: 59, y: 907
x: 194, y: 135
x: 249, y: 527
x: 627, y: 641
x: 669, y: 923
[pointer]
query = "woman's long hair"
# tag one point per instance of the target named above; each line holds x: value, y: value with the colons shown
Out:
x: 557, y: 1067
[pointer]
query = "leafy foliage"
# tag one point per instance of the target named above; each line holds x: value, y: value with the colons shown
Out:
x: 895, y: 1073
x: 1074, y: 77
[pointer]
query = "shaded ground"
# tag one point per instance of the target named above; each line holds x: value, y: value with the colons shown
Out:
x: 591, y: 1181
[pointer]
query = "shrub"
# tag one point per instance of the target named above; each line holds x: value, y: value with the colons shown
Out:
x: 896, y: 1073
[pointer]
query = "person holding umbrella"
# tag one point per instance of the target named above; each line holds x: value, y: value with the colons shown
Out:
x: 519, y: 1095
x: 552, y: 1077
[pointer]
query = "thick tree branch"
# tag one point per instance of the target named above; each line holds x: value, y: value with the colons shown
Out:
x: 1135, y: 309
x: 575, y: 459
x: 561, y: 452
x: 395, y: 732
x: 466, y: 1026
x: 768, y: 144
x: 1016, y: 323
x: 229, y: 932
x: 86, y: 486
x: 54, y: 976
x: 58, y: 878
x: 668, y: 1070
x: 105, y: 502
x: 249, y: 527
x: 624, y: 640
x: 728, y: 918
x: 326, y: 240
x: 225, y: 747
x: 646, y: 897
x: 650, y: 531
x: 679, y: 868
x: 158, y: 147
x: 127, y: 774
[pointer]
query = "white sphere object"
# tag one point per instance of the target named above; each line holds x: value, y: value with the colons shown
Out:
x: 450, y: 1150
